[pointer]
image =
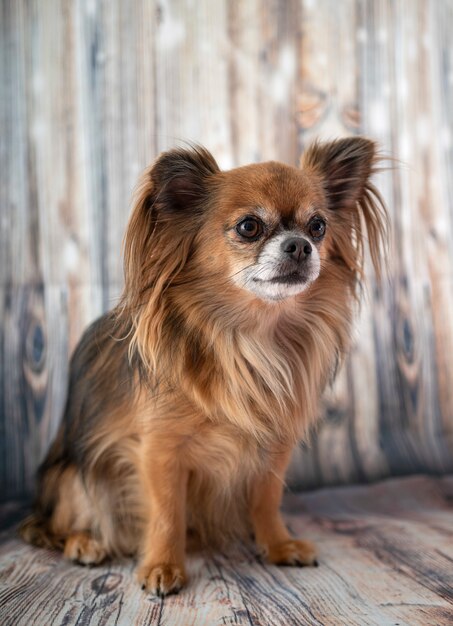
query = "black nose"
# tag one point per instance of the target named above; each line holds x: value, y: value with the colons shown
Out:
x: 296, y: 248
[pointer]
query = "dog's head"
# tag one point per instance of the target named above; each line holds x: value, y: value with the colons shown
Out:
x: 265, y: 231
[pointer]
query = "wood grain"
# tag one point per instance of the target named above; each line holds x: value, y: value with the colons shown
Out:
x: 93, y: 90
x: 385, y: 559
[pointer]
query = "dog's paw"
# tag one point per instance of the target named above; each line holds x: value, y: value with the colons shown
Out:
x: 292, y: 552
x: 83, y: 549
x: 161, y: 579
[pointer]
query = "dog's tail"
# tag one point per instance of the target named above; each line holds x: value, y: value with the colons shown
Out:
x: 35, y: 529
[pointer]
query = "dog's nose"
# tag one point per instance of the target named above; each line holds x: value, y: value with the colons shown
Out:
x: 296, y: 248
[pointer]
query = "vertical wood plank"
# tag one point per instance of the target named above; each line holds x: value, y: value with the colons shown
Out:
x: 408, y: 394
x: 263, y: 80
x: 192, y: 100
x: 439, y: 220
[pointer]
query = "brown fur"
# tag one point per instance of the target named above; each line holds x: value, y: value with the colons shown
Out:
x: 185, y: 402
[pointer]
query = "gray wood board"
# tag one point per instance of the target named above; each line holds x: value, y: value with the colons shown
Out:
x: 385, y: 554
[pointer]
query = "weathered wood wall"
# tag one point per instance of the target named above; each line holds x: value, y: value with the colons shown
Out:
x: 92, y: 91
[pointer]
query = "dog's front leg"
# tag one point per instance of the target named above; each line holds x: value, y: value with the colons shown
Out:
x: 271, y: 533
x: 161, y: 570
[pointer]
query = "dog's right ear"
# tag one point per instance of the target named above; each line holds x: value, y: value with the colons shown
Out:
x: 167, y: 205
x: 175, y: 185
x: 178, y: 181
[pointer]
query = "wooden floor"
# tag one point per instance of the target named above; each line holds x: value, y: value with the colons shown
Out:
x: 386, y: 557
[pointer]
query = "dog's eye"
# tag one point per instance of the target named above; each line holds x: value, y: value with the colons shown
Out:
x: 250, y: 228
x: 317, y: 228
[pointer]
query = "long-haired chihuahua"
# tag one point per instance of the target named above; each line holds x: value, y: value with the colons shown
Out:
x: 186, y: 400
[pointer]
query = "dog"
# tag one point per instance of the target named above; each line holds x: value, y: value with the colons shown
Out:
x: 185, y: 401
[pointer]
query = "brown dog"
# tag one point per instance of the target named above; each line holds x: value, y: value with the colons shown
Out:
x: 186, y: 400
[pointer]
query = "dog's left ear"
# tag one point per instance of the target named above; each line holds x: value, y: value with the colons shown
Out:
x: 344, y: 166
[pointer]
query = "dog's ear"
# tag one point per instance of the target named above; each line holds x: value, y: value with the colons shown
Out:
x: 167, y: 205
x: 166, y: 208
x: 178, y: 180
x: 344, y: 166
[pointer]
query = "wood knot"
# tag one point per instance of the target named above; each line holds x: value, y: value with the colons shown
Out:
x: 312, y: 106
x: 35, y: 346
x: 106, y: 583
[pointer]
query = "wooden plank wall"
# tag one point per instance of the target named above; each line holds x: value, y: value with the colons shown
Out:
x: 93, y: 90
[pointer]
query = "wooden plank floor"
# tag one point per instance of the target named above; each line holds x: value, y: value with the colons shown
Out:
x: 386, y: 557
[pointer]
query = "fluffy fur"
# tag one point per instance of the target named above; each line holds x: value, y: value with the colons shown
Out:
x: 185, y: 401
